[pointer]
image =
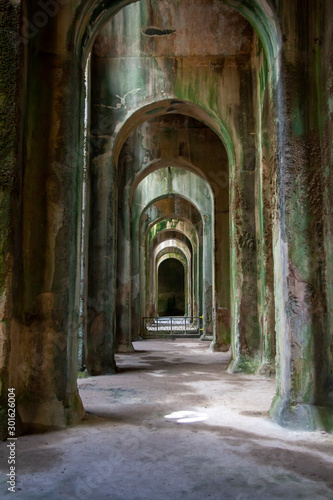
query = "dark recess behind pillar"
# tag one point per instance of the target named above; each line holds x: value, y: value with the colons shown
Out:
x: 171, y: 290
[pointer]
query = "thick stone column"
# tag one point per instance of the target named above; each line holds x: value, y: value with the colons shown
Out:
x: 10, y: 53
x: 303, y: 335
x: 124, y: 284
x: 325, y: 88
x: 102, y: 239
x: 246, y: 341
x: 246, y: 334
x: 208, y: 303
x: 266, y: 300
x: 219, y: 181
x: 44, y: 326
x: 265, y: 209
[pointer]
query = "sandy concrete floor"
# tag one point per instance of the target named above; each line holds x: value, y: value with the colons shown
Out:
x: 133, y: 446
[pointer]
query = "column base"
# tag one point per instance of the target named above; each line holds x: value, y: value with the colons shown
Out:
x: 41, y: 416
x: 108, y: 370
x: 125, y: 348
x: 219, y: 347
x: 302, y: 417
x: 207, y: 337
x: 243, y: 364
x: 267, y: 369
x: 97, y: 366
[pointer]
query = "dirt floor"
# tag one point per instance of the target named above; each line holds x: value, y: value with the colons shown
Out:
x: 173, y: 425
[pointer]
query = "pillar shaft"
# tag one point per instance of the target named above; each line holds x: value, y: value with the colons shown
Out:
x: 304, y: 362
x: 44, y: 328
x: 10, y: 130
x: 102, y: 239
x: 246, y: 335
x: 265, y: 209
x: 246, y: 345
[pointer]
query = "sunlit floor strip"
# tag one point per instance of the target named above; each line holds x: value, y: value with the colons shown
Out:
x: 186, y: 417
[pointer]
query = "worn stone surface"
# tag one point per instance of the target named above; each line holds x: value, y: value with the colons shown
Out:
x: 176, y: 78
x: 10, y: 53
x: 136, y: 451
x: 304, y: 386
x: 259, y: 77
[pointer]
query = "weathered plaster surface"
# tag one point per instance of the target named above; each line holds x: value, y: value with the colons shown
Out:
x: 274, y: 117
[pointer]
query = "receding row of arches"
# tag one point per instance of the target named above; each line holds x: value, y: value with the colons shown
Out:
x: 173, y: 149
x: 169, y: 154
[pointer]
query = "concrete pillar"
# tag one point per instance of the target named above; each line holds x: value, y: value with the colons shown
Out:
x: 102, y: 239
x: 123, y: 303
x: 246, y: 345
x: 326, y: 120
x: 304, y: 339
x: 44, y: 327
x: 208, y: 302
x: 246, y: 338
x: 265, y: 209
x: 219, y: 180
x: 124, y: 297
x: 10, y: 177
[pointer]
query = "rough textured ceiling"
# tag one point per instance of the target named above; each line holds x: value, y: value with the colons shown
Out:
x: 175, y: 29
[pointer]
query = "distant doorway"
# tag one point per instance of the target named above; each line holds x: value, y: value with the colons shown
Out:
x: 171, y: 288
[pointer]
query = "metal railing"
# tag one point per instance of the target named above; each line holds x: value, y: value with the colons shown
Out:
x: 171, y: 326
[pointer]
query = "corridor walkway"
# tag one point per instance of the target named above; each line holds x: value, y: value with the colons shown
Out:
x: 174, y: 425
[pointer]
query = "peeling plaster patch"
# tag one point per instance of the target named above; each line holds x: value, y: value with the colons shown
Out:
x: 154, y: 31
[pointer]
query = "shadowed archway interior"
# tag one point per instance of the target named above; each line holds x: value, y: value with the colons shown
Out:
x: 171, y: 288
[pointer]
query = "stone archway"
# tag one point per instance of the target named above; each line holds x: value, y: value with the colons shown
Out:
x: 181, y: 248
x: 153, y: 190
x: 43, y: 295
x: 48, y: 191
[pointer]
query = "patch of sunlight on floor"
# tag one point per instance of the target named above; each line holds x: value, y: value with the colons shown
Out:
x: 187, y: 417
